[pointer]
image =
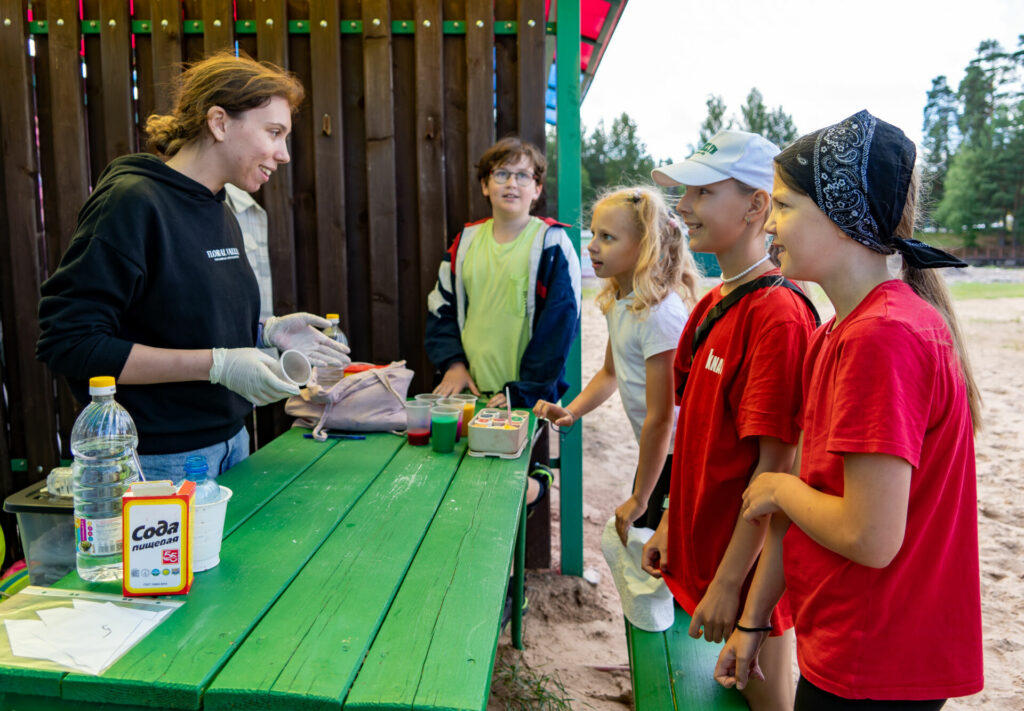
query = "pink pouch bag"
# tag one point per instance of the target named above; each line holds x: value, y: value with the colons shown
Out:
x: 370, y: 401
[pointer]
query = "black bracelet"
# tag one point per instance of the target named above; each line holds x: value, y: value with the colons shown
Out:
x: 741, y: 628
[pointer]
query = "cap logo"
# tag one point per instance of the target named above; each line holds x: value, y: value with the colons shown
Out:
x: 708, y: 149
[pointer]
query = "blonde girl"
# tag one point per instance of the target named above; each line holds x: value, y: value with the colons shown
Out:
x: 650, y: 283
x: 881, y: 560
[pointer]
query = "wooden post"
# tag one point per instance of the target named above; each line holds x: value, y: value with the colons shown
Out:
x: 569, y: 212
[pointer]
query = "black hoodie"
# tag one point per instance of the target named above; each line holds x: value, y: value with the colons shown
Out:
x: 157, y: 259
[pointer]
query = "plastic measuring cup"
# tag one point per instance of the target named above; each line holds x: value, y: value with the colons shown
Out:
x: 417, y: 414
x: 468, y: 409
x: 208, y: 531
x: 432, y: 398
x: 457, y: 404
x: 296, y: 367
x: 444, y: 421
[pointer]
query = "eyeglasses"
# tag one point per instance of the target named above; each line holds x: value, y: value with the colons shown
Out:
x: 522, y: 177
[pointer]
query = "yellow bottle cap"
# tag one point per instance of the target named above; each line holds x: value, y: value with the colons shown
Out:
x: 101, y: 381
x: 330, y: 316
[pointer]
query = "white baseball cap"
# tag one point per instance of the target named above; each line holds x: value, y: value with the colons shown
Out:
x: 747, y: 157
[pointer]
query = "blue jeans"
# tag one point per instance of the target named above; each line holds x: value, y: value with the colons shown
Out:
x: 219, y: 458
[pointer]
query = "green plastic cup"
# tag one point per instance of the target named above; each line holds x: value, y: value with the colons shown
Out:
x: 444, y: 421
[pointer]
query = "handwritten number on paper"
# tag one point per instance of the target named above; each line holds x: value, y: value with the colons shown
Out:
x: 106, y: 630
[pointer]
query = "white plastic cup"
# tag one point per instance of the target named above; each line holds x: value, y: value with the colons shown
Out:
x: 208, y: 531
x: 296, y: 367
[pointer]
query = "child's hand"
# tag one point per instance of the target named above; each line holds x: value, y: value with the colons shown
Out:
x: 716, y: 612
x: 561, y: 416
x: 498, y: 400
x: 759, y: 497
x: 628, y: 511
x: 737, y: 662
x: 655, y: 556
x: 455, y: 380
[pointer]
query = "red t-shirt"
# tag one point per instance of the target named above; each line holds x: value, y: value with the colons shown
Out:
x: 887, y: 380
x: 744, y: 383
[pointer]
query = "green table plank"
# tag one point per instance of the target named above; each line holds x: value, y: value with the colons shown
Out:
x: 172, y: 666
x: 692, y: 662
x: 436, y: 647
x: 28, y: 702
x: 307, y: 650
x: 651, y: 675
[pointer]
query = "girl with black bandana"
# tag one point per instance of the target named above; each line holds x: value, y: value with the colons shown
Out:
x: 881, y: 560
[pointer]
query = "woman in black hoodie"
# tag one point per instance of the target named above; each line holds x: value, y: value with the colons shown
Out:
x: 155, y: 287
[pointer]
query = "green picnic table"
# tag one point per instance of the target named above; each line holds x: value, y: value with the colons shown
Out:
x: 354, y: 575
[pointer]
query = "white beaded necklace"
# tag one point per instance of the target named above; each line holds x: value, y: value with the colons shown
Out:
x: 746, y: 271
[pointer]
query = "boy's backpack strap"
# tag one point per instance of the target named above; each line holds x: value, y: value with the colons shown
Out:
x: 732, y: 298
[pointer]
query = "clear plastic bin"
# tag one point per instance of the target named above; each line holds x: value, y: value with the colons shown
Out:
x: 46, y: 525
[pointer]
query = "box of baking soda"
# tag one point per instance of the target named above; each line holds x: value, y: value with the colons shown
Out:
x: 157, y: 520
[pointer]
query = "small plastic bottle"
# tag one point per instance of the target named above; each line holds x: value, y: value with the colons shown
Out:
x: 207, y: 490
x: 103, y: 442
x: 334, y: 331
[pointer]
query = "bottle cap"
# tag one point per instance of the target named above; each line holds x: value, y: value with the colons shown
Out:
x: 332, y: 316
x: 102, y: 385
x: 195, y: 466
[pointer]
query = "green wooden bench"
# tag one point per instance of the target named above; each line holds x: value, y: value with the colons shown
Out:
x: 671, y: 670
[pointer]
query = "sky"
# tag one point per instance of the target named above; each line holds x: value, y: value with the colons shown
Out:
x: 821, y: 60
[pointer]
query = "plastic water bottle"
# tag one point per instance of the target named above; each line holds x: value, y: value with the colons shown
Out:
x: 207, y: 490
x: 334, y: 331
x: 103, y: 443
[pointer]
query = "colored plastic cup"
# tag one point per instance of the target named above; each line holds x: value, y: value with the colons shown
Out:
x: 208, y: 531
x: 457, y: 404
x: 444, y: 421
x: 468, y: 408
x: 417, y: 413
x: 296, y: 366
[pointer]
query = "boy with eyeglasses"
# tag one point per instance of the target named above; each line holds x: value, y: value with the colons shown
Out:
x: 506, y: 307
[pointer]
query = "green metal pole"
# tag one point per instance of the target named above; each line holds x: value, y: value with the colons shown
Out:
x: 570, y: 197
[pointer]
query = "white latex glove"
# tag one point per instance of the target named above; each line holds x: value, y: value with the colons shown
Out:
x: 252, y: 374
x: 299, y: 332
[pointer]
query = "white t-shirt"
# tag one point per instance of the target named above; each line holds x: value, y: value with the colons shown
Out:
x: 633, y: 341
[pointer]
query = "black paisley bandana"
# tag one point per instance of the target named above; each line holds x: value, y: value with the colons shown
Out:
x: 858, y: 172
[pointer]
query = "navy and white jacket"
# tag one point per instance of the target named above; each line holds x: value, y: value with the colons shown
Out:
x: 552, y: 311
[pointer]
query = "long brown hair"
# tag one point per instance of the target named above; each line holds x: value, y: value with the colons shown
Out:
x: 236, y: 84
x: 929, y: 285
x: 665, y: 263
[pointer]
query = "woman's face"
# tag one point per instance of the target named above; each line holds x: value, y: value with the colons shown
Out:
x: 255, y: 145
x: 714, y: 215
x: 805, y: 241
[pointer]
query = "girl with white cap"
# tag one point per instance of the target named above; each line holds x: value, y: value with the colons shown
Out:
x: 737, y: 372
x: 880, y: 563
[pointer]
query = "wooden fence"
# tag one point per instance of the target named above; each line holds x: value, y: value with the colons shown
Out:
x: 402, y: 96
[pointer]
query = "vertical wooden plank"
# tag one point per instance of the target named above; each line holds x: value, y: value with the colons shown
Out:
x: 271, y: 35
x: 146, y: 103
x: 67, y: 186
x: 245, y: 10
x: 505, y: 13
x: 165, y: 17
x: 302, y: 148
x: 411, y: 303
x: 354, y: 170
x: 479, y: 96
x: 456, y: 163
x: 29, y: 386
x: 95, y: 106
x: 119, y: 130
x: 193, y: 45
x: 430, y: 173
x: 532, y: 80
x: 218, y: 25
x: 328, y: 130
x: 380, y: 179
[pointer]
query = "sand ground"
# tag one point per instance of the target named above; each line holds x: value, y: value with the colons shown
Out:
x: 574, y: 629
